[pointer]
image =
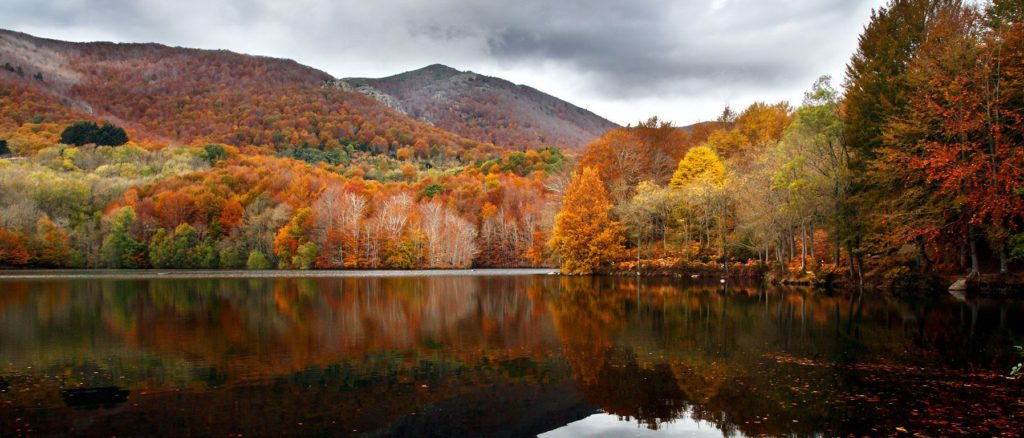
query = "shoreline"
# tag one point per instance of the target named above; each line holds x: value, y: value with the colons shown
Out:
x: 154, y: 274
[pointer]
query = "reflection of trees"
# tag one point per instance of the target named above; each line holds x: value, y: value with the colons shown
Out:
x: 747, y: 360
x: 752, y: 360
x: 259, y: 327
x: 623, y: 388
x: 586, y: 321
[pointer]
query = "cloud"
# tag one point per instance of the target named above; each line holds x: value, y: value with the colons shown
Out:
x: 625, y: 60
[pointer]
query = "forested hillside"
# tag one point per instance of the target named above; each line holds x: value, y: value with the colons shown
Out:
x: 233, y: 160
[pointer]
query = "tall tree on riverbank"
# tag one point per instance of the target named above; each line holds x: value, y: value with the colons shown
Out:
x: 955, y: 160
x: 585, y: 237
x: 876, y: 91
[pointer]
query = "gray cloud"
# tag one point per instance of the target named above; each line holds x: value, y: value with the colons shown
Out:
x: 683, y: 60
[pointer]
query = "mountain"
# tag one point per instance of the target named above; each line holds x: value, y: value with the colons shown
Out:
x: 484, y: 108
x: 171, y: 94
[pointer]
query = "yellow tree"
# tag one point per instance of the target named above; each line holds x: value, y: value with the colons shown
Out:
x: 584, y: 236
x: 699, y: 163
x: 701, y: 176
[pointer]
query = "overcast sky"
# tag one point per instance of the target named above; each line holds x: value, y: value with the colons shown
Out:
x: 625, y: 60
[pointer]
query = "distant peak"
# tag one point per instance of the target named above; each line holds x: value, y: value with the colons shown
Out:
x: 439, y: 69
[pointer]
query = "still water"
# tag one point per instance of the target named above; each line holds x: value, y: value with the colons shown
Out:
x: 495, y: 355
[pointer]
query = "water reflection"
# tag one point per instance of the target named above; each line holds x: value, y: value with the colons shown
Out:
x: 511, y: 356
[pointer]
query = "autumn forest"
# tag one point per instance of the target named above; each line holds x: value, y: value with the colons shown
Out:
x: 146, y: 156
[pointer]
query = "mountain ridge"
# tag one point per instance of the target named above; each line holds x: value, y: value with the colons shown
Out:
x: 149, y: 86
x: 466, y: 103
x: 172, y: 94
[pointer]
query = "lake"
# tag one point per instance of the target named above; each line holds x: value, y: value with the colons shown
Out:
x: 503, y: 353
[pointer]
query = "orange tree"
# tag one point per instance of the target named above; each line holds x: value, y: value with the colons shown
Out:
x: 584, y: 235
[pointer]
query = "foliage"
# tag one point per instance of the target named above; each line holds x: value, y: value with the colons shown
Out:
x: 257, y: 260
x: 314, y: 156
x: 584, y: 236
x: 875, y: 77
x: 120, y: 249
x: 432, y: 190
x: 291, y: 238
x: 87, y: 132
x: 305, y: 256
x: 1017, y: 247
x: 181, y: 249
x: 700, y: 163
x: 648, y: 152
x: 13, y: 251
x: 50, y: 246
x: 212, y: 153
x: 954, y: 152
x: 751, y: 132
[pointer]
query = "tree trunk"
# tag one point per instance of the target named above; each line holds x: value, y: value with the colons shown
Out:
x: 811, y: 246
x: 973, y: 244
x: 838, y: 247
x: 803, y: 248
x: 1003, y: 269
x: 856, y: 272
x: 792, y: 243
x: 686, y: 239
x: 721, y: 238
x: 707, y: 231
x: 638, y: 256
x: 923, y: 264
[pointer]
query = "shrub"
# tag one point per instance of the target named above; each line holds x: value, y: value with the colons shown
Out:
x: 257, y: 260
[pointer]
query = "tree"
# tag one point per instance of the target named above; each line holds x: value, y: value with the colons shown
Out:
x: 450, y: 238
x: 701, y: 179
x: 13, y: 251
x: 648, y: 214
x: 625, y: 156
x: 293, y: 237
x: 80, y: 133
x: 4, y: 150
x: 232, y: 214
x: 875, y: 85
x: 257, y: 260
x: 955, y: 149
x: 110, y: 135
x: 699, y: 163
x: 812, y: 179
x: 212, y: 153
x: 751, y: 132
x: 584, y: 236
x: 161, y: 250
x: 86, y: 132
x: 120, y: 249
x: 305, y: 256
x: 875, y: 93
x: 181, y: 249
x: 51, y: 246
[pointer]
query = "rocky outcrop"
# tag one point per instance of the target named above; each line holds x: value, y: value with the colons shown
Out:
x: 368, y: 90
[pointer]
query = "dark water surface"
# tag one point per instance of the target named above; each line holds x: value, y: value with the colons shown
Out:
x: 495, y: 355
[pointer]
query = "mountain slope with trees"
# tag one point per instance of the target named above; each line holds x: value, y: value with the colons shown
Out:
x: 177, y: 95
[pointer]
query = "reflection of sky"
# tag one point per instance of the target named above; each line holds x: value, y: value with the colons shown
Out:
x: 606, y: 425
